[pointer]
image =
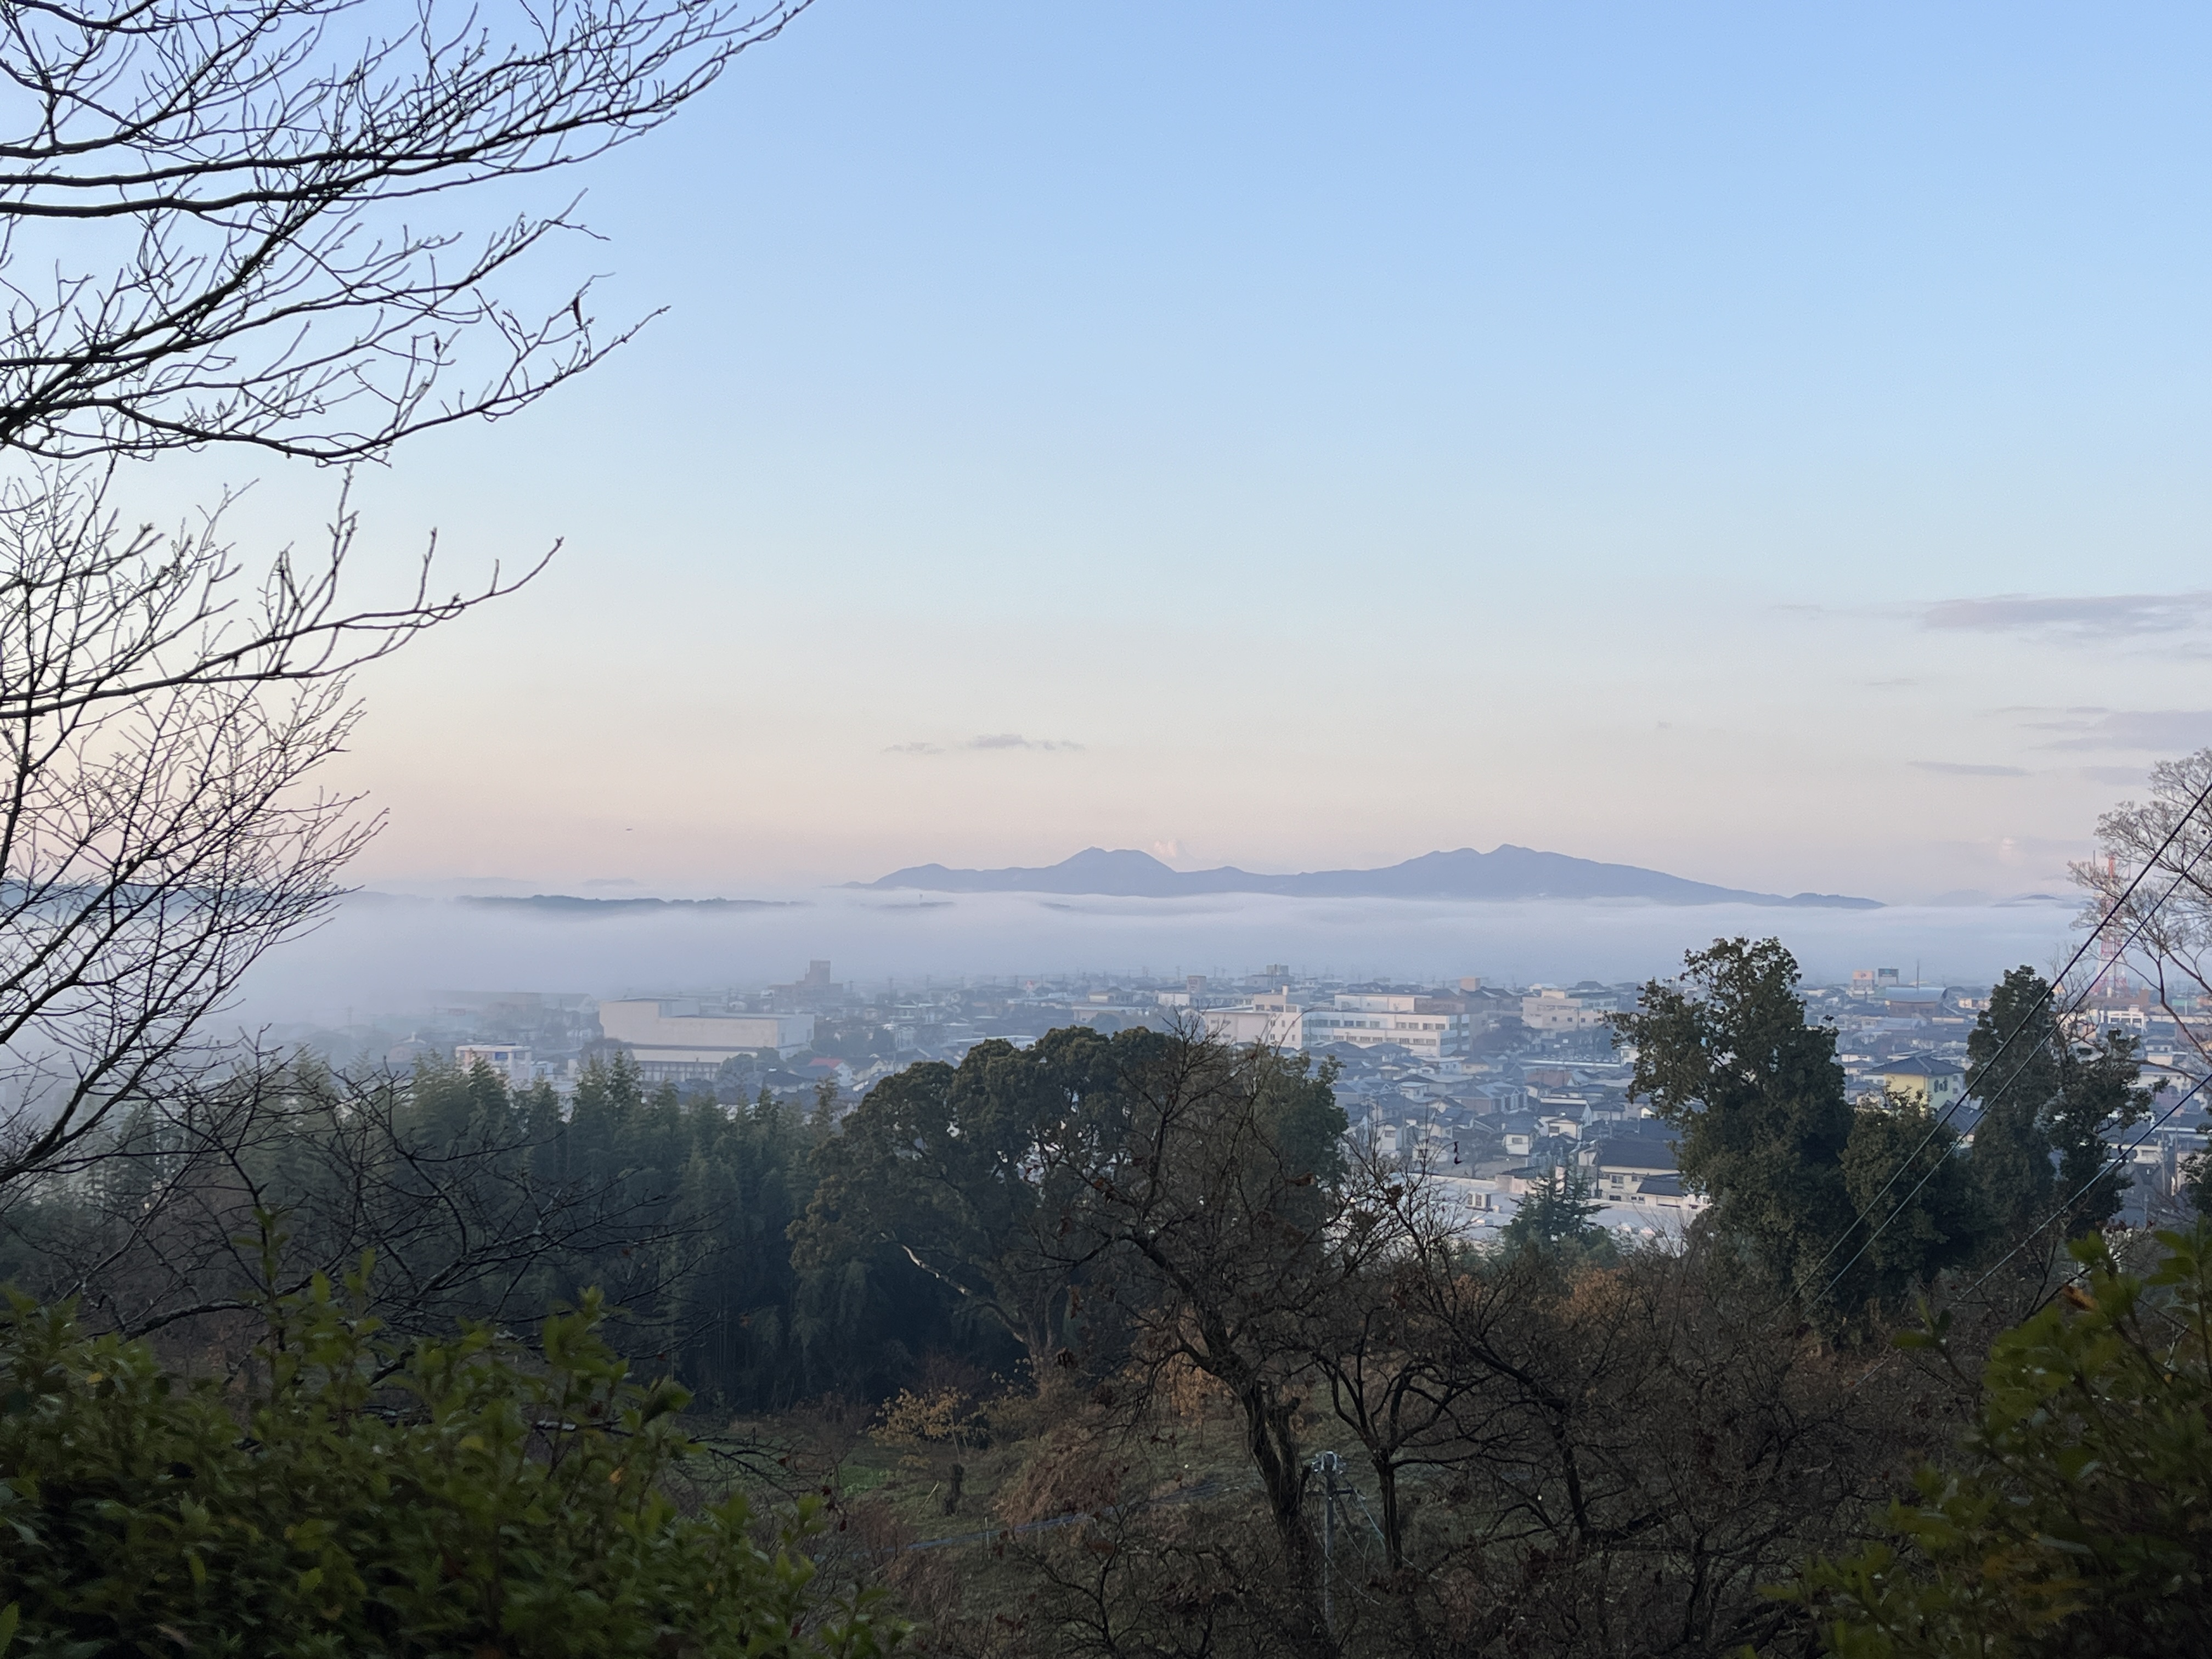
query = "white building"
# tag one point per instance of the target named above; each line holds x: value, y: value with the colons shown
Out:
x: 1277, y: 1027
x: 1366, y: 1018
x: 1555, y: 1010
x: 510, y: 1062
x: 673, y: 1041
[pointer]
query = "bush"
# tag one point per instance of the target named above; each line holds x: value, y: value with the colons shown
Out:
x: 461, y: 1498
x: 2077, y: 1520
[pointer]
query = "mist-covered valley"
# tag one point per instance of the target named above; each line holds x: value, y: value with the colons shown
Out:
x: 384, y: 953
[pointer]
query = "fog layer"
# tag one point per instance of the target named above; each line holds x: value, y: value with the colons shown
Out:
x: 381, y: 953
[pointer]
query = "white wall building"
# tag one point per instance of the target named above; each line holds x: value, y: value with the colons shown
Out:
x: 1553, y: 1011
x: 1365, y: 1018
x: 1277, y: 1027
x: 672, y: 1039
x: 510, y: 1061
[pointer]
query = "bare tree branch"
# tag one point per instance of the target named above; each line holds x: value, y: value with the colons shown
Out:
x: 201, y: 229
x: 159, y: 829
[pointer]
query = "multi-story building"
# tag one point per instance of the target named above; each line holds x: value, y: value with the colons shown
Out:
x: 1930, y: 1083
x: 1278, y: 1026
x: 510, y: 1062
x: 1427, y: 1026
x: 1551, y: 1011
x: 673, y: 1041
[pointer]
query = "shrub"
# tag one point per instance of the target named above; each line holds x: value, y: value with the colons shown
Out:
x: 2077, y: 1518
x: 459, y: 1497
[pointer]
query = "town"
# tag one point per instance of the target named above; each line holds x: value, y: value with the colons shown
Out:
x: 1489, y: 1089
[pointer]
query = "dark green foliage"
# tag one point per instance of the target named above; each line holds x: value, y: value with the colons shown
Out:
x: 2098, y: 1101
x: 2044, y: 1095
x: 367, y: 1497
x: 1916, y: 1200
x: 1725, y: 1057
x: 2011, y: 1156
x: 1844, y: 1207
x: 2071, y: 1522
x: 943, y: 1170
x: 713, y: 1282
x: 1555, y: 1216
x: 2196, y: 1184
x: 483, y: 1206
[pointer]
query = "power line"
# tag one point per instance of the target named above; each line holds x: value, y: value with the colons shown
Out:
x: 2103, y: 1169
x: 2049, y: 991
x: 2028, y: 1237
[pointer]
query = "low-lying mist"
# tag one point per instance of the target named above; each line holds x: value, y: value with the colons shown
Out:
x: 384, y: 953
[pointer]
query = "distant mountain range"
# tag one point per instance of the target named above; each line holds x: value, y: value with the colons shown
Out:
x: 1507, y: 872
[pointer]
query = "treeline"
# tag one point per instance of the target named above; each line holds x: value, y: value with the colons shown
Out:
x: 774, y: 1257
x: 1852, y: 1209
x: 481, y: 1204
x: 1560, y: 1446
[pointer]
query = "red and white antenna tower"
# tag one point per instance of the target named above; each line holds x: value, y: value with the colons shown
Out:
x: 2111, y: 940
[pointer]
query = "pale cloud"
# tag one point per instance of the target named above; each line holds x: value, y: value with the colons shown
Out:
x: 1016, y: 740
x: 2171, y: 731
x: 1967, y: 770
x: 2086, y: 616
x: 989, y: 741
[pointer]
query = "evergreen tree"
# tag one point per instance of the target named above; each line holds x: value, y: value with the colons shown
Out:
x: 1555, y: 1215
x: 1916, y: 1200
x: 1725, y: 1057
x: 2099, y: 1101
x: 2047, y: 1096
x: 2069, y: 1520
x: 2013, y: 1071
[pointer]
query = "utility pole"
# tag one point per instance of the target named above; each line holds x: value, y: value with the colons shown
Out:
x: 1326, y: 1465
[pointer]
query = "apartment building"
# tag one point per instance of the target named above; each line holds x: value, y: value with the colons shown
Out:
x: 1430, y: 1027
x: 1551, y: 1011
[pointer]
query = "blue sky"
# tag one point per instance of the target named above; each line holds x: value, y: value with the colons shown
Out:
x: 1766, y: 443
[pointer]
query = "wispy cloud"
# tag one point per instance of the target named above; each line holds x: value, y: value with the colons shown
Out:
x: 2085, y: 616
x: 2169, y: 731
x: 1967, y: 770
x: 1016, y: 740
x: 989, y: 741
x: 2109, y: 774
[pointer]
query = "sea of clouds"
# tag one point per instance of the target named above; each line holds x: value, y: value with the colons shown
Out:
x: 382, y: 953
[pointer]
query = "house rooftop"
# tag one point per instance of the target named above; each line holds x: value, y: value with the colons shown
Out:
x: 1916, y: 1066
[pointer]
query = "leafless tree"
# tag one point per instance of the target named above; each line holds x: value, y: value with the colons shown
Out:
x: 207, y: 237
x: 208, y: 208
x: 186, y: 1218
x: 1412, y: 1339
x: 161, y: 724
x: 1208, y: 1215
x: 2151, y: 886
x: 2151, y: 901
x: 1648, y: 1445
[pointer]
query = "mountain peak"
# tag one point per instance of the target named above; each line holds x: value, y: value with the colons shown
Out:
x: 1506, y: 872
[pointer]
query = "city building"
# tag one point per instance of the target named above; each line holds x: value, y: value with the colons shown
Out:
x: 510, y: 1062
x: 1364, y: 1018
x: 1551, y: 1011
x: 1929, y: 1083
x: 673, y: 1042
x: 1277, y: 1026
x: 816, y: 994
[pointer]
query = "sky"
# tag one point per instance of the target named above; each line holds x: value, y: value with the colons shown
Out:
x: 1762, y: 443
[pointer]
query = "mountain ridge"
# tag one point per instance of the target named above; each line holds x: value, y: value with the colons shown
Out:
x: 1507, y: 871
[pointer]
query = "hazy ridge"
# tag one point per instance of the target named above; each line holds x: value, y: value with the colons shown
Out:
x: 1505, y: 873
